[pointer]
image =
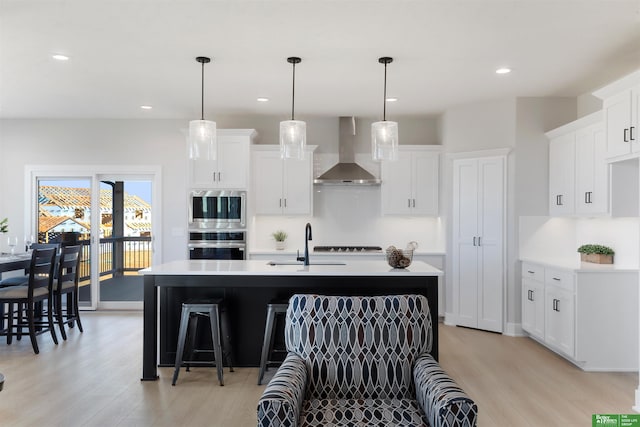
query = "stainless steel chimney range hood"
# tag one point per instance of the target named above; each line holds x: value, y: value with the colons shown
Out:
x: 347, y: 171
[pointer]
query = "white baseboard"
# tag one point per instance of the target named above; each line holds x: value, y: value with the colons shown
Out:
x: 636, y: 407
x: 514, y: 330
x: 450, y: 319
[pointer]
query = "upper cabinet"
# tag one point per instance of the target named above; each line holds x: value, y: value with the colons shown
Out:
x: 578, y: 171
x: 410, y: 184
x: 281, y: 186
x: 621, y: 106
x: 231, y: 168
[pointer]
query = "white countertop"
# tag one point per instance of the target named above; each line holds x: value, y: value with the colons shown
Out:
x: 582, y: 267
x: 381, y: 254
x: 261, y: 268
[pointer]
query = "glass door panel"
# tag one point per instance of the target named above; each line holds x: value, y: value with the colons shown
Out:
x: 64, y: 216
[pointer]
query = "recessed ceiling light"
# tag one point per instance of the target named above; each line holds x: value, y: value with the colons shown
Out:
x: 503, y: 70
x: 390, y: 99
x: 60, y: 57
x: 263, y: 99
x: 146, y: 107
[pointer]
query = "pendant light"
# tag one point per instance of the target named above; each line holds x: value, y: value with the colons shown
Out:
x: 293, y: 133
x: 384, y: 134
x: 202, y: 133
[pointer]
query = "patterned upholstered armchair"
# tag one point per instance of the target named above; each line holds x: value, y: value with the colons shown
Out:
x: 357, y: 361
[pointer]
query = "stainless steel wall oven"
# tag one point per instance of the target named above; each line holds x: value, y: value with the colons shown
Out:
x: 215, y: 209
x: 216, y: 244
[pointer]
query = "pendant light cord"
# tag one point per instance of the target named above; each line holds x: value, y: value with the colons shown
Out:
x: 293, y: 97
x: 384, y: 99
x: 202, y: 94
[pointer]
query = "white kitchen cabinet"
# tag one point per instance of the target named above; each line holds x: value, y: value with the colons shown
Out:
x: 230, y: 169
x: 621, y: 105
x: 479, y: 204
x: 578, y: 171
x: 533, y: 303
x: 588, y: 315
x: 562, y: 175
x: 281, y: 186
x: 410, y: 184
x: 592, y: 171
x: 559, y: 311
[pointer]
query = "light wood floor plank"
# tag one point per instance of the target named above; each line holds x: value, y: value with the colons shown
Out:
x: 93, y: 379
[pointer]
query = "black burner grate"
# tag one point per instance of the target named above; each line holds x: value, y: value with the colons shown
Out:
x: 347, y: 249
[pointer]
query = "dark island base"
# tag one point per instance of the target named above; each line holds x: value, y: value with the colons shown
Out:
x: 246, y: 299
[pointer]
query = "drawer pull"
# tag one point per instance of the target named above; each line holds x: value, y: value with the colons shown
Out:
x: 555, y: 278
x: 530, y: 272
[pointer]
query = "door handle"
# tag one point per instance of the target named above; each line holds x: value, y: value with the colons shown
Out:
x: 214, y: 177
x: 218, y: 176
x: 479, y: 241
x: 631, y: 133
x: 280, y: 202
x: 474, y: 240
x: 285, y: 203
x: 408, y: 203
x: 559, y: 199
x: 414, y: 203
x: 625, y: 135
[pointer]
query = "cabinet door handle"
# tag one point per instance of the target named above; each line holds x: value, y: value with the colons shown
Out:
x: 556, y: 278
x: 530, y: 295
x: 586, y: 197
x: 474, y: 241
x: 408, y: 203
x: 285, y: 203
x: 590, y: 193
x: 530, y: 272
x: 219, y: 177
x: 631, y: 133
x: 280, y: 202
x: 214, y: 177
x: 625, y: 135
x: 559, y: 199
x: 414, y: 203
x: 479, y: 241
x: 556, y: 305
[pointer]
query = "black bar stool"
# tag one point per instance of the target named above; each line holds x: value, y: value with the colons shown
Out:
x: 273, y: 310
x: 192, y: 311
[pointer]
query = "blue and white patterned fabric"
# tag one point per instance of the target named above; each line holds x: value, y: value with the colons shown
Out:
x: 362, y: 361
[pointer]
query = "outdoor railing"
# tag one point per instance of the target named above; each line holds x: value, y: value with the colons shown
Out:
x: 117, y: 255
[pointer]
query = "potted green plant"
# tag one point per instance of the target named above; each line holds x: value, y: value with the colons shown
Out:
x: 596, y: 253
x: 4, y: 225
x: 280, y: 237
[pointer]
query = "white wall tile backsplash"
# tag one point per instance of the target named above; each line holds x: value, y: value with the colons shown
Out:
x: 349, y: 215
x: 556, y: 240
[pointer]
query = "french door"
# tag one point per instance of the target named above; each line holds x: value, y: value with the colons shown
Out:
x: 109, y: 212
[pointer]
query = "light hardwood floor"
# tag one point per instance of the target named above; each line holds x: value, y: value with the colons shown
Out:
x: 93, y: 379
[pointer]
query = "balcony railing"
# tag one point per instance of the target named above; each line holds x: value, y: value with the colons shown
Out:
x: 117, y: 255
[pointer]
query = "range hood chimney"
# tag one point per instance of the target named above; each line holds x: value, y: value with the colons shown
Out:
x: 347, y: 171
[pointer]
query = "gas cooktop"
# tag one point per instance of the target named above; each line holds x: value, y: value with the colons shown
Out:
x: 347, y: 249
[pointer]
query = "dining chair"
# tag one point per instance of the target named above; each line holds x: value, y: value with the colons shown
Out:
x: 38, y: 289
x: 66, y: 283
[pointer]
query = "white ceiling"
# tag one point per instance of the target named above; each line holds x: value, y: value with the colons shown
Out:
x: 128, y: 53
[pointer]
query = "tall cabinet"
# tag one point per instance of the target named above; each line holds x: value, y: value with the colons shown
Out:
x: 479, y: 203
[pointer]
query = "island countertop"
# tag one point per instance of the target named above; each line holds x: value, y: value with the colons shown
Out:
x: 262, y: 268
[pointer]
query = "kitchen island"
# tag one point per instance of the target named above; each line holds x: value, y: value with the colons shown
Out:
x: 248, y: 286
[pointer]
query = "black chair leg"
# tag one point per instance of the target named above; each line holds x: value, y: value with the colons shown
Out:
x: 10, y: 323
x: 52, y: 328
x: 32, y: 330
x: 76, y: 310
x: 60, y: 316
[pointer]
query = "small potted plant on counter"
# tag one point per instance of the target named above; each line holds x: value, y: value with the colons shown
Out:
x: 596, y: 253
x: 280, y: 236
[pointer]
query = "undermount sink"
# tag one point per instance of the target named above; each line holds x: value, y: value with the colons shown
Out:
x: 302, y: 263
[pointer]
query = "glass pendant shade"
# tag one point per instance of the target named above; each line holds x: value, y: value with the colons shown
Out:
x: 293, y: 139
x: 202, y: 139
x: 384, y: 140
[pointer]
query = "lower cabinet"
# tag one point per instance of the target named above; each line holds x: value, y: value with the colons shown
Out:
x: 589, y: 316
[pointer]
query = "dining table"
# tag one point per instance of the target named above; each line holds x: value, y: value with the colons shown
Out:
x: 10, y: 262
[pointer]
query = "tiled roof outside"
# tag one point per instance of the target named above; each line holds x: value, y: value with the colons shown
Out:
x: 81, y: 198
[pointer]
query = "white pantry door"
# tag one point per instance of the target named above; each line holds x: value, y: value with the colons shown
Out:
x: 478, y: 237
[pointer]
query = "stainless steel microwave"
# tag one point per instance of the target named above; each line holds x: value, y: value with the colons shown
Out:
x: 209, y: 209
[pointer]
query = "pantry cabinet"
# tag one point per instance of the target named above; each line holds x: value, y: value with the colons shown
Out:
x: 583, y: 314
x: 621, y: 105
x: 479, y: 203
x: 410, y: 184
x: 578, y: 171
x: 230, y: 169
x: 281, y: 186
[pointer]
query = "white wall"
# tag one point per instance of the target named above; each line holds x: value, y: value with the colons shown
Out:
x: 96, y: 142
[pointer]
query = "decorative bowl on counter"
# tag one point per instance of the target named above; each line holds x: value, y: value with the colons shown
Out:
x: 399, y: 258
